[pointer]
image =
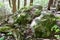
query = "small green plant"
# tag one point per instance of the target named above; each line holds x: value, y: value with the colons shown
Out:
x: 43, y: 28
x: 23, y: 19
x: 55, y: 28
x: 2, y: 38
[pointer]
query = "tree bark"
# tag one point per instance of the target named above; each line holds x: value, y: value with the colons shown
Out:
x: 10, y: 3
x: 14, y: 5
x: 31, y: 2
x: 49, y: 4
x: 18, y: 4
x: 25, y: 2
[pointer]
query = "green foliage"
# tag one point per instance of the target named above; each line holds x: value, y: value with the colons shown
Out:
x: 43, y: 28
x: 55, y: 28
x: 25, y: 15
x: 23, y: 19
x: 2, y: 38
x: 12, y: 31
x: 5, y: 29
x: 37, y: 12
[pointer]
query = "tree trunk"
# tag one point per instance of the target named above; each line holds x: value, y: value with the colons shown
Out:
x: 31, y: 2
x: 25, y: 2
x: 18, y: 4
x: 49, y: 4
x: 14, y: 5
x: 10, y: 3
